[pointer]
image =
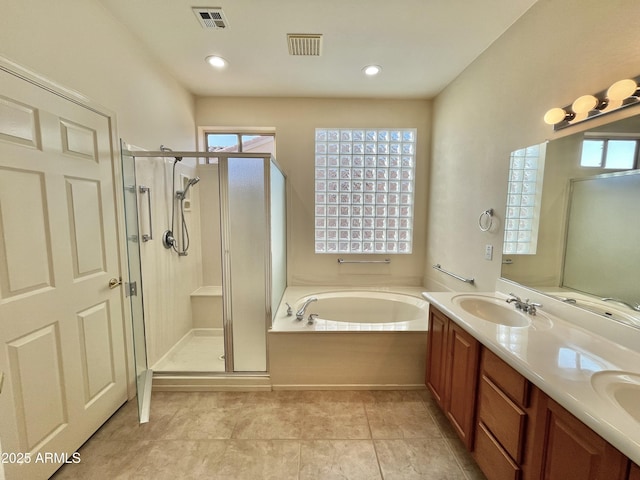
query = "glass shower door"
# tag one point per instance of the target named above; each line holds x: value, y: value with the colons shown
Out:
x: 278, y: 232
x: 245, y: 254
x: 133, y: 288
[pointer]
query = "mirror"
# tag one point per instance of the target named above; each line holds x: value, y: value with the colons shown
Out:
x: 586, y: 244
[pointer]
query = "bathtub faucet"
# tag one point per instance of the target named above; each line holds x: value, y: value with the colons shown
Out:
x: 300, y: 313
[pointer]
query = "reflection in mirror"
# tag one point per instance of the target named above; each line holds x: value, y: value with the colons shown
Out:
x: 602, y: 258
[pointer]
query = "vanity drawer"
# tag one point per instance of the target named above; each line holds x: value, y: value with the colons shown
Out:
x: 502, y: 417
x: 509, y: 381
x: 492, y: 458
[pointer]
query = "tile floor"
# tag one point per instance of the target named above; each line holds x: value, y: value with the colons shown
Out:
x: 303, y: 435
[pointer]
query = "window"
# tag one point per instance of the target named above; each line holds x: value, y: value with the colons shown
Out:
x: 364, y: 183
x: 611, y: 153
x: 524, y: 195
x: 240, y: 142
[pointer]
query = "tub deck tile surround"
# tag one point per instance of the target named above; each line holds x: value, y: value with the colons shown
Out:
x: 302, y: 435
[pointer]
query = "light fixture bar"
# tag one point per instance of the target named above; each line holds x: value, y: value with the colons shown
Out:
x: 622, y: 94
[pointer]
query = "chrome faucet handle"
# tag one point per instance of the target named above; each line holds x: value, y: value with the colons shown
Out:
x: 289, y: 309
x: 312, y: 317
x: 514, y: 298
x: 530, y: 307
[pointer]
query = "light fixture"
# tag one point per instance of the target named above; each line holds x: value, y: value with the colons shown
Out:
x: 622, y: 89
x: 372, y: 70
x: 216, y: 61
x: 584, y: 104
x: 622, y: 93
x: 557, y: 115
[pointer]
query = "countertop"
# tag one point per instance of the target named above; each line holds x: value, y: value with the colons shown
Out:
x: 561, y: 357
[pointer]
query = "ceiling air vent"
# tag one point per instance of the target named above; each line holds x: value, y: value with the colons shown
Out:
x: 211, y: 17
x: 305, y: 44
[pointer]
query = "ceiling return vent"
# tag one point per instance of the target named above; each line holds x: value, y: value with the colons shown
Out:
x: 305, y: 44
x: 211, y: 17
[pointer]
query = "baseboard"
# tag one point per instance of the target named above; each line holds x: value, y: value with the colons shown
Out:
x: 358, y: 386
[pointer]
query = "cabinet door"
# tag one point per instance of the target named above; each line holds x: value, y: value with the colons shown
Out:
x: 436, y: 354
x: 462, y: 375
x: 634, y: 473
x: 571, y: 450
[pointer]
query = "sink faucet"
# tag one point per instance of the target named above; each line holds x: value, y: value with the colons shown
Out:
x: 524, y: 305
x: 300, y: 313
x: 618, y: 300
x: 572, y: 301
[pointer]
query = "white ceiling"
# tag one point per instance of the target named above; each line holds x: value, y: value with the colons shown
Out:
x: 422, y: 45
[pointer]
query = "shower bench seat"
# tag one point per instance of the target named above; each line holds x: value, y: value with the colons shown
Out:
x: 206, y: 307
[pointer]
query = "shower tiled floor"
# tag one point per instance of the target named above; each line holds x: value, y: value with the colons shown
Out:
x: 304, y: 435
x: 200, y: 351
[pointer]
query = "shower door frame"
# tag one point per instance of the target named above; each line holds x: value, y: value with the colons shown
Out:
x: 143, y: 374
x: 222, y: 158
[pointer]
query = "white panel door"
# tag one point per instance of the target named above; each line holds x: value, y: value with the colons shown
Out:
x: 61, y: 326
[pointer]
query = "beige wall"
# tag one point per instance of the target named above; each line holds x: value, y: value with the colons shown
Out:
x: 210, y: 240
x: 80, y: 46
x: 559, y: 50
x: 295, y: 120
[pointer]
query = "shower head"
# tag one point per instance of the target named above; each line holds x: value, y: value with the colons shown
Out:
x: 167, y: 149
x: 181, y: 194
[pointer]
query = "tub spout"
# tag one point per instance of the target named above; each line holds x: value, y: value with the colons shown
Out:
x: 300, y: 313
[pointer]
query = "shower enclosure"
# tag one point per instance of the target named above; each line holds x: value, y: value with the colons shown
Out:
x: 206, y: 311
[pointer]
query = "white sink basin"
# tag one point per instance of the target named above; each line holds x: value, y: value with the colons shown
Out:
x: 492, y: 309
x: 621, y: 388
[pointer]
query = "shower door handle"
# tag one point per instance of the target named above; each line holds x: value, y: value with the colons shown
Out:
x: 147, y: 236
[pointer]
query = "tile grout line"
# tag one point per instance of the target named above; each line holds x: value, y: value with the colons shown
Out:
x: 373, y: 443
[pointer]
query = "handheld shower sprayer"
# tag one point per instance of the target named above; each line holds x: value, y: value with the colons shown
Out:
x: 181, y: 194
x: 169, y: 240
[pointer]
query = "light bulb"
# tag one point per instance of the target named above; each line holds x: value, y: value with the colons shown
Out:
x: 622, y: 89
x: 555, y: 115
x: 216, y: 61
x: 372, y: 70
x: 584, y: 104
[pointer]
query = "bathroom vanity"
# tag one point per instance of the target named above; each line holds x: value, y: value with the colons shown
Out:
x: 533, y: 396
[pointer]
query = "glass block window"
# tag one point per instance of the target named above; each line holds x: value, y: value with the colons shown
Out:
x: 524, y: 196
x: 364, y: 183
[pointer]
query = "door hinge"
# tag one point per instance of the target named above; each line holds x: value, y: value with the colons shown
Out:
x: 131, y: 289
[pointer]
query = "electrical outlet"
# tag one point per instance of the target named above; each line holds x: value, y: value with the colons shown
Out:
x: 488, y: 252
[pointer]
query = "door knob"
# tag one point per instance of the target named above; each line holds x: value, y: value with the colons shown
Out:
x: 115, y: 282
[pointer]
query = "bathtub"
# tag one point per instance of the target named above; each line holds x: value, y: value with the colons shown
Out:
x: 361, y: 338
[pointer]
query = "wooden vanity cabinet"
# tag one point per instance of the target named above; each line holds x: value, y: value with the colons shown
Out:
x: 520, y: 433
x: 436, y: 354
x: 506, y: 407
x: 565, y: 448
x: 451, y: 376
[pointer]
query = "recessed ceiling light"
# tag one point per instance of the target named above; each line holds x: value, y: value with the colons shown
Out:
x: 372, y: 70
x: 216, y: 61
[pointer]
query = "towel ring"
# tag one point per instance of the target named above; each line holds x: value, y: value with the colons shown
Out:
x: 486, y: 220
